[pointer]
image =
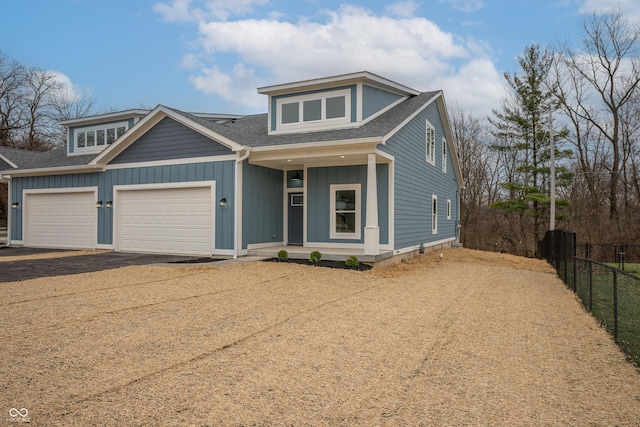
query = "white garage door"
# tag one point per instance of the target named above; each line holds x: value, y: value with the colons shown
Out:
x: 165, y: 220
x: 60, y: 220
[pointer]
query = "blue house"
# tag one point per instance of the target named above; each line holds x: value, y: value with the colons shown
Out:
x: 352, y: 164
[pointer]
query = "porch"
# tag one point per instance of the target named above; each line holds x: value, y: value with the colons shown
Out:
x: 330, y: 254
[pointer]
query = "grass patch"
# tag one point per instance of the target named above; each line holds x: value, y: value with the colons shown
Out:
x: 629, y: 267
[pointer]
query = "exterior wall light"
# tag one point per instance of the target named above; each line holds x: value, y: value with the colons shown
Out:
x: 15, y: 205
x: 109, y: 204
x: 99, y: 204
x: 223, y: 202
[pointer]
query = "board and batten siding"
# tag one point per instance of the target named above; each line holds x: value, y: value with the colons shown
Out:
x: 169, y: 140
x: 319, y: 181
x: 222, y: 172
x: 416, y: 181
x: 374, y: 100
x: 262, y: 205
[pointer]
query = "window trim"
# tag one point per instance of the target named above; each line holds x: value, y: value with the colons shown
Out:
x: 333, y: 188
x: 430, y: 143
x: 87, y: 130
x: 444, y: 155
x: 434, y: 214
x: 317, y: 124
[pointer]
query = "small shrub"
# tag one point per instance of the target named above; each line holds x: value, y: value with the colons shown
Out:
x: 352, y: 262
x: 315, y: 257
x: 283, y: 256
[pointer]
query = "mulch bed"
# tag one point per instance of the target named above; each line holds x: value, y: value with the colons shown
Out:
x: 324, y: 263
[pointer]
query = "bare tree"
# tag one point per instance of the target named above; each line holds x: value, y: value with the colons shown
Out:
x: 12, y: 75
x: 605, y: 76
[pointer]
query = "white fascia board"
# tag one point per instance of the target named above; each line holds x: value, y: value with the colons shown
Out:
x: 151, y: 120
x: 448, y: 133
x: 58, y: 170
x: 102, y: 117
x: 364, y: 76
x: 319, y: 144
x: 9, y: 162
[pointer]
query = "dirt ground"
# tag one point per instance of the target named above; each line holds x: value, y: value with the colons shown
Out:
x: 473, y: 338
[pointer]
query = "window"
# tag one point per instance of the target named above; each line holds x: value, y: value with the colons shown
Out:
x: 444, y: 155
x: 434, y: 214
x: 345, y: 211
x: 322, y: 109
x: 448, y: 209
x: 431, y: 144
x: 95, y: 138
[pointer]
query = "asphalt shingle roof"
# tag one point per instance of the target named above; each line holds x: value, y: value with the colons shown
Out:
x: 250, y: 131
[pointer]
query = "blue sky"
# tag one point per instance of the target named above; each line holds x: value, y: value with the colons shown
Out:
x: 211, y: 55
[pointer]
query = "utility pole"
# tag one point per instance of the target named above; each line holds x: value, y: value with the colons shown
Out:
x: 552, y: 213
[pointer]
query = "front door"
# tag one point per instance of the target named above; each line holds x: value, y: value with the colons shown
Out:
x: 296, y: 203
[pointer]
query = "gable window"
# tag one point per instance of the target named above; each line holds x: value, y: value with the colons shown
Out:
x: 434, y: 214
x: 317, y: 110
x: 448, y: 209
x: 345, y: 212
x: 93, y: 139
x: 444, y: 155
x: 431, y: 144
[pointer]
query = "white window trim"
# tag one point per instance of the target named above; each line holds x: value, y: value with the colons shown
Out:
x: 430, y: 144
x: 96, y: 148
x: 316, y: 124
x: 332, y: 212
x: 448, y: 209
x: 434, y: 214
x: 444, y: 155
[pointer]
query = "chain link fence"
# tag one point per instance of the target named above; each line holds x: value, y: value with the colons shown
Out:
x: 610, y: 294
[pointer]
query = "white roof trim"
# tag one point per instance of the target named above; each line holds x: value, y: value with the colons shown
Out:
x: 9, y: 162
x: 57, y: 170
x: 102, y: 117
x: 150, y: 120
x: 302, y: 145
x: 359, y: 76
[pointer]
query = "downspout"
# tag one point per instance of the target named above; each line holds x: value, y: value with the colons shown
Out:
x: 9, y: 208
x: 237, y: 202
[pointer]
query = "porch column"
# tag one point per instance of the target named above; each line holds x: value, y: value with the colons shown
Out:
x: 371, y: 229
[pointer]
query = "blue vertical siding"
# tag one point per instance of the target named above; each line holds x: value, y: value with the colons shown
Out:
x: 374, y: 100
x: 319, y: 181
x: 416, y: 181
x: 262, y: 205
x: 222, y: 172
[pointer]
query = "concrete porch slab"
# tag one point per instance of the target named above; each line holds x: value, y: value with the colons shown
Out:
x: 330, y: 254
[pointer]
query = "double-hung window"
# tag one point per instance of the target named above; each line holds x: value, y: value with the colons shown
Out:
x: 431, y: 144
x: 345, y: 212
x: 434, y: 214
x: 444, y: 155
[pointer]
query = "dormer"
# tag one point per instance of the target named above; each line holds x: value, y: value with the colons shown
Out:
x: 338, y: 102
x: 91, y: 135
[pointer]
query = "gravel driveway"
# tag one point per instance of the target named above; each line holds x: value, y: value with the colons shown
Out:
x: 473, y: 339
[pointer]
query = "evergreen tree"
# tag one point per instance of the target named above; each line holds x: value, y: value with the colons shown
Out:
x: 522, y: 134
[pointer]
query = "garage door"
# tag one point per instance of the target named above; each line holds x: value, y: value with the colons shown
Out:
x: 60, y: 220
x: 165, y: 220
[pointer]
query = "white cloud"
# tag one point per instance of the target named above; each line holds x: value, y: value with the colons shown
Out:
x: 630, y: 8
x: 68, y: 89
x: 236, y: 56
x: 185, y: 10
x: 402, y: 9
x: 467, y: 6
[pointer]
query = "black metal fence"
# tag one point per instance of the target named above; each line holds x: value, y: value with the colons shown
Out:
x: 618, y: 254
x: 610, y: 294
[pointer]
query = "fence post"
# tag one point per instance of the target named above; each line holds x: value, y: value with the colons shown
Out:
x: 587, y: 251
x: 622, y: 257
x: 615, y: 305
x: 575, y: 271
x: 590, y: 286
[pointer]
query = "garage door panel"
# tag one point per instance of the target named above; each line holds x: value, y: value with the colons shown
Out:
x: 168, y: 220
x: 61, y: 220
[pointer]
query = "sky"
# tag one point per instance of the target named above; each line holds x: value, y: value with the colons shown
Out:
x: 212, y: 55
